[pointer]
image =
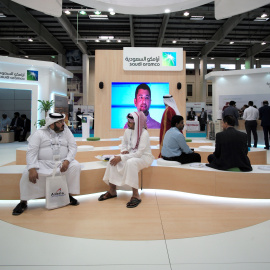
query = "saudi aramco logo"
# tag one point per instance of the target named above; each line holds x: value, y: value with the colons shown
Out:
x: 32, y: 75
x: 58, y: 193
x: 169, y: 59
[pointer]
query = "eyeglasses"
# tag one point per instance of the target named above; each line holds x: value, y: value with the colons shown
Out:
x: 60, y: 122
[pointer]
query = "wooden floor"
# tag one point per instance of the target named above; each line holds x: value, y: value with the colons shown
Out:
x: 161, y: 215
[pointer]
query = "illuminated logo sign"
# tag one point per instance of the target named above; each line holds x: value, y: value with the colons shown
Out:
x: 32, y: 75
x: 169, y: 59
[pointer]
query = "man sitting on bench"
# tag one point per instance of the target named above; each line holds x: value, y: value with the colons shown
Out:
x: 231, y: 148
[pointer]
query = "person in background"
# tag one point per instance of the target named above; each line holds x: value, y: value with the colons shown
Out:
x: 251, y: 115
x: 231, y: 110
x: 241, y: 112
x: 203, y: 119
x: 5, y: 122
x: 26, y: 127
x: 16, y: 125
x: 170, y: 111
x: 142, y: 101
x: 191, y: 115
x: 174, y: 144
x: 122, y: 170
x: 264, y: 116
x: 79, y: 112
x: 52, y: 141
x: 231, y: 148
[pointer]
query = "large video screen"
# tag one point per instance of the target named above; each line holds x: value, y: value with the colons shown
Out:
x: 123, y: 101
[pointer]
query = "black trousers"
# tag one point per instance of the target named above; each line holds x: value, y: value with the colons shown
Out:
x: 266, y: 131
x: 185, y: 158
x: 251, y: 126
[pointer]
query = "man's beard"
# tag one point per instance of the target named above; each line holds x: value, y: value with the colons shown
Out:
x: 57, y: 129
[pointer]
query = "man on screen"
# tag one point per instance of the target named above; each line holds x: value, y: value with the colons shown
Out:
x: 142, y: 101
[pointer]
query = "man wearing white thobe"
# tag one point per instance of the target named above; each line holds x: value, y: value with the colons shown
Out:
x: 52, y: 142
x: 122, y: 170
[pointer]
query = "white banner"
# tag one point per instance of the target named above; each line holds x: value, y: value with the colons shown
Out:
x: 158, y: 59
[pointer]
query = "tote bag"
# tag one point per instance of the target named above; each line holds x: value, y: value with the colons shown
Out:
x: 56, y: 191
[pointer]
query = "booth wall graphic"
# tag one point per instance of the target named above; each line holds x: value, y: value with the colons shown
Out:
x: 109, y: 69
x: 43, y: 79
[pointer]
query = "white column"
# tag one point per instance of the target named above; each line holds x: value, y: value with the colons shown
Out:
x: 203, y: 84
x: 85, y: 78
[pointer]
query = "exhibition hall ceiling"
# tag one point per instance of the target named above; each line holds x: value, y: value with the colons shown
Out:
x: 25, y: 32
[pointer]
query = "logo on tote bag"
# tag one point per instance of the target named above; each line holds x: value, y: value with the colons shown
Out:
x: 58, y: 193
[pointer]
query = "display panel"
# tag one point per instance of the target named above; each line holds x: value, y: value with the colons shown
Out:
x: 123, y: 101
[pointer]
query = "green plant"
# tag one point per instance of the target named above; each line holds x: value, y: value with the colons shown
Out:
x: 45, y: 106
x: 41, y: 122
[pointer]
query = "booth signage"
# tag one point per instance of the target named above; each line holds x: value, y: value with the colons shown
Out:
x: 158, y: 59
x: 29, y: 75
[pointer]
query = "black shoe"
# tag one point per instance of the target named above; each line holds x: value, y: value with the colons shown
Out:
x: 19, y: 209
x: 73, y: 201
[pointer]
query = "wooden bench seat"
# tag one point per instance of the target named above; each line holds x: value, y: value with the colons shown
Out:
x: 205, y: 181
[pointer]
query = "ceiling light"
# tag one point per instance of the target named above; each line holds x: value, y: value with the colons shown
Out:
x: 98, y: 17
x: 106, y: 37
x: 30, y: 39
x: 67, y: 12
x: 174, y: 41
x: 108, y: 40
x: 260, y: 19
x: 264, y: 15
x: 119, y: 40
x: 192, y: 58
x: 97, y: 12
x: 186, y: 13
x: 212, y: 58
x: 97, y: 40
x: 2, y: 15
x: 53, y: 56
x: 197, y: 18
x: 263, y: 43
x: 231, y: 42
x: 110, y: 9
x: 82, y: 12
x: 257, y: 59
x: 112, y: 13
x: 26, y: 56
x: 167, y: 10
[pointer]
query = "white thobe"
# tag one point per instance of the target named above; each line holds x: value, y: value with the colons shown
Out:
x: 40, y: 156
x: 125, y: 173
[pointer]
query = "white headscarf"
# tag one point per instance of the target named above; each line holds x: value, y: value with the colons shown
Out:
x: 168, y: 100
x: 140, y: 123
x: 52, y: 118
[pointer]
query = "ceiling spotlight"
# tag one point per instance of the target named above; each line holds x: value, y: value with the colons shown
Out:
x: 192, y: 58
x: 82, y: 12
x: 197, y: 18
x: 67, y: 12
x: 119, y: 40
x: 167, y: 10
x: 174, y: 41
x: 30, y: 39
x: 212, y: 58
x: 264, y: 15
x: 97, y: 12
x: 257, y: 59
x: 97, y: 40
x: 108, y: 40
x: 26, y: 56
x: 112, y: 13
x: 2, y: 15
x: 263, y: 43
x: 106, y: 37
x: 186, y: 13
x: 231, y: 42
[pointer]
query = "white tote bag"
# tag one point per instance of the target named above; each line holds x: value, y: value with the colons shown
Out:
x: 56, y: 191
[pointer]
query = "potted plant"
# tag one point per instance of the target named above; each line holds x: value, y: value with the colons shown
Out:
x: 45, y: 106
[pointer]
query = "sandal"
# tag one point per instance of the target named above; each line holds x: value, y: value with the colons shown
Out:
x: 106, y: 196
x: 134, y: 202
x: 19, y: 209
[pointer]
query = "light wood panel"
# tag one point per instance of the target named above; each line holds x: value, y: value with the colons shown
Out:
x: 108, y: 143
x: 161, y: 215
x: 108, y: 69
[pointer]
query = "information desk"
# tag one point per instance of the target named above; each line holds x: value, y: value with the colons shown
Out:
x: 193, y: 125
x: 7, y: 137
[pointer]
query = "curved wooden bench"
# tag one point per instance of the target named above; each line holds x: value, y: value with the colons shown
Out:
x: 256, y: 155
x: 205, y: 181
